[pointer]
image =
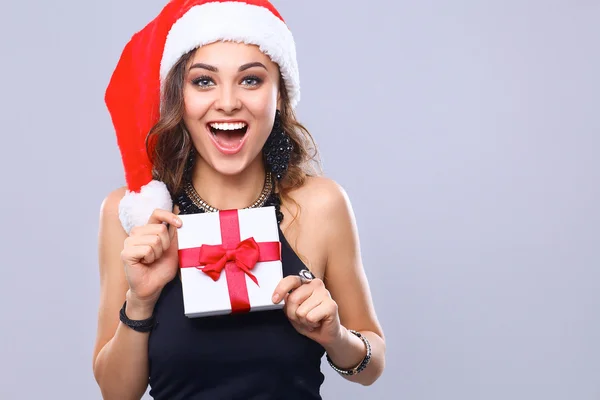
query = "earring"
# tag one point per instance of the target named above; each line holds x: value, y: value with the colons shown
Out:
x: 278, y: 149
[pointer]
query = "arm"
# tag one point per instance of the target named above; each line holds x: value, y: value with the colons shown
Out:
x: 120, y: 361
x: 346, y: 281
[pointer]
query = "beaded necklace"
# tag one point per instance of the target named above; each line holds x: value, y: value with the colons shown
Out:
x: 190, y: 202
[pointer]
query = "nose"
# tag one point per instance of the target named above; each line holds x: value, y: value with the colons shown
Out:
x: 228, y: 100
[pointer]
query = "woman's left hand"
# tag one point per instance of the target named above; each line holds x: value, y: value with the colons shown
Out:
x: 310, y: 309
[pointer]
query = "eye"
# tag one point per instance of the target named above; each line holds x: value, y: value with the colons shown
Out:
x: 251, y: 80
x: 203, y: 81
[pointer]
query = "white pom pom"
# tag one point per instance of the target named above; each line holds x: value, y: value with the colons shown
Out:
x: 135, y: 208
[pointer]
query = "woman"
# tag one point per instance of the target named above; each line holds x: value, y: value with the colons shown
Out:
x: 203, y: 105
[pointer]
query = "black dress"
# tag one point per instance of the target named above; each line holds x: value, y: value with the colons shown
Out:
x: 258, y: 355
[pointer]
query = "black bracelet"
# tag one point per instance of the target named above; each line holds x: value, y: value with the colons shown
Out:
x: 362, y: 365
x: 144, y: 325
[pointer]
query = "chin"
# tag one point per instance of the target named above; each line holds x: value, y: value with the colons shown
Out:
x: 229, y: 165
x: 229, y: 168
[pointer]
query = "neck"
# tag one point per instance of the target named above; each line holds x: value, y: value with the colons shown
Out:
x: 229, y: 191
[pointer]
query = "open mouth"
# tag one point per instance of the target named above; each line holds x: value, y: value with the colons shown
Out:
x: 228, y: 135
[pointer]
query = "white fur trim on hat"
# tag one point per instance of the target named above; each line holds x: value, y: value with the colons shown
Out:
x: 136, y: 208
x: 235, y: 22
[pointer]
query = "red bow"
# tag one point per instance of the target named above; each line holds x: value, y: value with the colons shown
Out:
x: 214, y: 258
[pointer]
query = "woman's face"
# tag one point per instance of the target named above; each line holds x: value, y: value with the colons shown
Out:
x: 231, y: 93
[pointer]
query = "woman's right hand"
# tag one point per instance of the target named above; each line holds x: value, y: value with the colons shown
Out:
x: 150, y: 257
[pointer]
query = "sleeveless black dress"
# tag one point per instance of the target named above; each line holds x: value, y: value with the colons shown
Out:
x: 253, y: 356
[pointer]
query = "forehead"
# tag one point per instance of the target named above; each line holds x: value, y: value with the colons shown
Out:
x: 231, y: 54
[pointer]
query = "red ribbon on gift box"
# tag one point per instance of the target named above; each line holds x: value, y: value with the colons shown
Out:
x: 233, y: 255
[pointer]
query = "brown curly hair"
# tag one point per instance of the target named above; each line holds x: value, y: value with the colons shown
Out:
x: 168, y: 143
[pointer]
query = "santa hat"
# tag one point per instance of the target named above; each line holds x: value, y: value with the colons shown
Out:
x: 133, y: 94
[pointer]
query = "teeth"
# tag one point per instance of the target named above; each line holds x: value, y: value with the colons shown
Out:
x: 227, y: 126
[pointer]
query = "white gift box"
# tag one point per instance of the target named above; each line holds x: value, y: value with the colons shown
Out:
x: 202, y: 295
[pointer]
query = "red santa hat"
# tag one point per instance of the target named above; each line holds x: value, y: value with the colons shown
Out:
x: 133, y: 93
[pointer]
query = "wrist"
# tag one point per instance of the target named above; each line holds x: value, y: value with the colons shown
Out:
x: 138, y: 309
x: 350, y: 354
x: 340, y: 344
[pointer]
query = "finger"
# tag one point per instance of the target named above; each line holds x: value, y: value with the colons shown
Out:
x: 156, y: 236
x: 159, y: 216
x: 295, y: 299
x: 285, y: 286
x: 325, y: 310
x: 150, y: 256
x: 307, y: 306
x: 165, y: 232
x: 138, y: 254
x: 154, y: 229
x: 155, y: 241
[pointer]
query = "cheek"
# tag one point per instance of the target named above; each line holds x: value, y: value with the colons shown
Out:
x: 262, y: 101
x: 263, y: 109
x: 195, y: 105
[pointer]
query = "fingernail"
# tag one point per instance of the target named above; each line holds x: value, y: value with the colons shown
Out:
x: 177, y: 221
x: 275, y: 298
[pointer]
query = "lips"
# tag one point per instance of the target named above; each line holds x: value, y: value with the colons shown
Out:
x: 228, y: 136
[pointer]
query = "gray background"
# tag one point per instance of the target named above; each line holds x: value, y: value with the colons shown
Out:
x: 465, y: 132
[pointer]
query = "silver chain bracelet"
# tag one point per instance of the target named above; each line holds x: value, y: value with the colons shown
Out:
x: 363, y: 364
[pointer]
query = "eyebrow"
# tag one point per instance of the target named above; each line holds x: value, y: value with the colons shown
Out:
x: 240, y: 69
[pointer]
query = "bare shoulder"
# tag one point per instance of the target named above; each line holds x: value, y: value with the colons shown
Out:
x: 110, y: 204
x: 110, y: 231
x: 321, y: 196
x: 319, y: 211
x: 111, y: 235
